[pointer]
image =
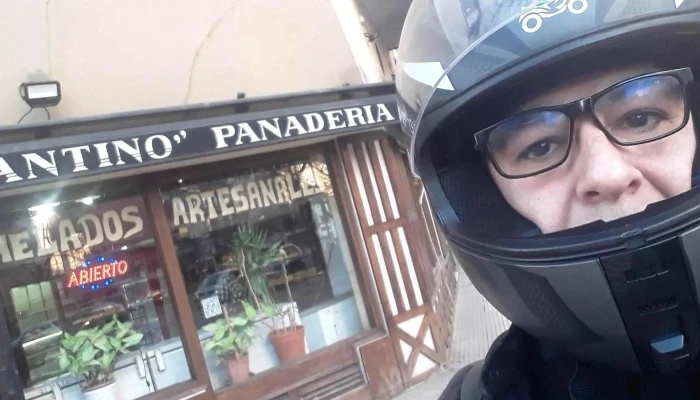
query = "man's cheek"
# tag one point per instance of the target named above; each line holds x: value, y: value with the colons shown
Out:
x: 670, y: 172
x: 545, y: 211
x: 550, y: 221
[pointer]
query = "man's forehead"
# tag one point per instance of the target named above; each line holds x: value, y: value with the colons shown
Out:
x: 583, y: 86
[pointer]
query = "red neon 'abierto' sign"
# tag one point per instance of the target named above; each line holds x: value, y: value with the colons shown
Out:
x: 97, y: 273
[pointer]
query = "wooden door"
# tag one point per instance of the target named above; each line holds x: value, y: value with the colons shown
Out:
x: 400, y: 252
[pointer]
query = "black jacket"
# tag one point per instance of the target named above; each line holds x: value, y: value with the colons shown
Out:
x: 520, y: 367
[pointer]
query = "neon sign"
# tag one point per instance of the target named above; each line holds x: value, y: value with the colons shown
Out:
x: 97, y: 273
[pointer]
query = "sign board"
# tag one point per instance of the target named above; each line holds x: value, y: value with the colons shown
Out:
x: 96, y: 273
x: 61, y: 158
x: 212, y: 200
x: 211, y: 307
x: 99, y: 226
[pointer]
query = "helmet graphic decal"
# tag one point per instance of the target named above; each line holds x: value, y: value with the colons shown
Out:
x: 532, y: 20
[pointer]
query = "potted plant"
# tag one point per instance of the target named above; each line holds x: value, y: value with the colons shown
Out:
x: 288, y: 341
x: 232, y: 338
x: 90, y: 354
x: 255, y: 256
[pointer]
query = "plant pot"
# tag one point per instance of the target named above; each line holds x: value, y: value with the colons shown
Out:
x: 239, y: 369
x: 288, y: 345
x: 105, y: 392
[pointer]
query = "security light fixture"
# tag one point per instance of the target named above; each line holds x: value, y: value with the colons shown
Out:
x: 41, y: 94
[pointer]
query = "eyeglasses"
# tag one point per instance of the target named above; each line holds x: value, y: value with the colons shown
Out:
x: 638, y: 110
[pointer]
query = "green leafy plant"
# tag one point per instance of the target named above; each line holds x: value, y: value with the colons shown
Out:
x: 90, y: 354
x: 232, y: 335
x: 254, y: 255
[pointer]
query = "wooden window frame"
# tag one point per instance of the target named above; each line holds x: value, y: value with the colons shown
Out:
x: 283, y: 377
x: 198, y: 387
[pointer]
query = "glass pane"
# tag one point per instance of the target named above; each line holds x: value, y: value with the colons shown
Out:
x: 67, y: 270
x: 530, y: 142
x: 269, y: 237
x: 643, y: 109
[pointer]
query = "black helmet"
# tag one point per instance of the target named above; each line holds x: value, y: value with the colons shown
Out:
x: 623, y: 292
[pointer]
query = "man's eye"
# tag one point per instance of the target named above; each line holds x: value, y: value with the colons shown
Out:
x: 538, y: 150
x: 641, y: 120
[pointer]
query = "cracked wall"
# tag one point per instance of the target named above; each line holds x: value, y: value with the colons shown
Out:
x: 130, y: 55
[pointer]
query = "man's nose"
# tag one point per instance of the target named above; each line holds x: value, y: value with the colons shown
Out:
x: 603, y: 173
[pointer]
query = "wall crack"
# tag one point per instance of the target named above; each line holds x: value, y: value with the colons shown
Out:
x: 206, y: 38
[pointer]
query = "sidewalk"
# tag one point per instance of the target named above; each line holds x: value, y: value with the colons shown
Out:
x: 476, y: 326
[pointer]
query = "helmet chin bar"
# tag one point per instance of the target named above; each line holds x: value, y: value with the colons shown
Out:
x: 635, y: 310
x: 657, y: 302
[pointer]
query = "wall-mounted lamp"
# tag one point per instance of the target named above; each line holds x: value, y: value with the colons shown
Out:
x: 41, y: 94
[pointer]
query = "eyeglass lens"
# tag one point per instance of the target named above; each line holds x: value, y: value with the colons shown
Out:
x: 639, y: 110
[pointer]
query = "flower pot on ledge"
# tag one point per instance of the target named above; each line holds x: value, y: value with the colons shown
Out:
x: 239, y: 369
x: 104, y: 392
x: 288, y: 345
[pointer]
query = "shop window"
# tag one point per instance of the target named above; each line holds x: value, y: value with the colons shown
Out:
x: 73, y: 267
x: 271, y: 238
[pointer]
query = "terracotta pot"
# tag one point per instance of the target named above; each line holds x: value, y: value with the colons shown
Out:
x: 105, y: 392
x: 239, y: 369
x: 288, y: 345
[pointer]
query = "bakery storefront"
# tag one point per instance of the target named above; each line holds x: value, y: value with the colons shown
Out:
x: 272, y: 248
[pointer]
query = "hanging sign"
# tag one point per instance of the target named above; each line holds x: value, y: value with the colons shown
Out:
x: 96, y: 274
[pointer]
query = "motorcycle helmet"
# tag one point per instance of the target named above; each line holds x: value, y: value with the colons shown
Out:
x: 621, y: 292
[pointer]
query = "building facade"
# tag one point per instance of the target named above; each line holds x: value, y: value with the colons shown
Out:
x: 203, y: 158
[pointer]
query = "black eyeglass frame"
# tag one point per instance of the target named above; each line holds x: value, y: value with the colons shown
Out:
x: 582, y: 106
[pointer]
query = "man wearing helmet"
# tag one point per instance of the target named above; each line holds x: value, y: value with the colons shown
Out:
x: 557, y: 146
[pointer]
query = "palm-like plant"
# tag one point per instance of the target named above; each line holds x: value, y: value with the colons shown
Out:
x: 254, y: 254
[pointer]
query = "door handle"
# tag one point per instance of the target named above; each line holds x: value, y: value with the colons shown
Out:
x: 57, y: 394
x: 160, y: 361
x: 140, y: 367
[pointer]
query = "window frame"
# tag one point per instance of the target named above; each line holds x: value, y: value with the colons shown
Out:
x: 318, y: 362
x: 148, y: 187
x: 198, y: 387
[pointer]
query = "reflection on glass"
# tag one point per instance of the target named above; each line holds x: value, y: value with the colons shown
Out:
x: 269, y: 237
x: 67, y: 270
